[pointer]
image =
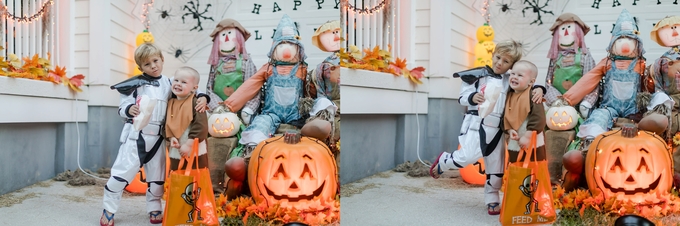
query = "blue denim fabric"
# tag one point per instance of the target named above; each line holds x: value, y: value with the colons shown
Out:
x: 618, y: 100
x: 281, y: 102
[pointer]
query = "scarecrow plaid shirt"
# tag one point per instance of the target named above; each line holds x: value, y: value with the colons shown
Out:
x: 587, y: 64
x: 249, y: 70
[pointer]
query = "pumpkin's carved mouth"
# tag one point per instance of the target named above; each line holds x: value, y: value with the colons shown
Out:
x: 316, y: 193
x: 651, y: 187
x: 222, y: 130
x: 561, y: 124
x: 488, y: 34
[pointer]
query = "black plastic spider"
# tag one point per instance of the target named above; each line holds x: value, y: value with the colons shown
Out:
x: 179, y: 53
x: 533, y: 5
x: 165, y: 14
x: 505, y: 7
x: 193, y: 11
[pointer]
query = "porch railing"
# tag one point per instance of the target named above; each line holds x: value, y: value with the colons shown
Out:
x: 29, y: 27
x: 370, y: 23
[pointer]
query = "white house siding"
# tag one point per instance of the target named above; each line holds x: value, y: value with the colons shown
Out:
x: 600, y: 17
x: 261, y: 26
x: 444, y: 42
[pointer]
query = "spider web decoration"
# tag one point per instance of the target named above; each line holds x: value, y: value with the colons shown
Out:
x: 182, y: 28
x: 509, y: 22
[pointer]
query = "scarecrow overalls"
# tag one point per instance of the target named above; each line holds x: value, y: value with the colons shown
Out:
x: 140, y: 148
x: 562, y: 74
x: 282, y: 95
x: 618, y: 100
x: 224, y: 81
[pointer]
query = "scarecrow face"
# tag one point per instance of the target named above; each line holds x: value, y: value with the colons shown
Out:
x: 227, y: 39
x: 286, y: 52
x: 566, y: 34
x: 669, y: 35
x: 625, y: 46
x: 330, y: 40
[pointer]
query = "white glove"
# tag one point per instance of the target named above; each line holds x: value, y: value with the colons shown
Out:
x: 584, y: 108
x: 246, y: 113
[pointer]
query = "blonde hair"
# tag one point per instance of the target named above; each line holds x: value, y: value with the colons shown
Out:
x: 511, y: 48
x: 191, y: 71
x: 146, y: 51
x: 531, y: 66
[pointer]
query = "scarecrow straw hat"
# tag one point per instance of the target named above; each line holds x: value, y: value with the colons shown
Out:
x: 570, y: 17
x: 328, y: 26
x: 229, y: 23
x: 666, y: 21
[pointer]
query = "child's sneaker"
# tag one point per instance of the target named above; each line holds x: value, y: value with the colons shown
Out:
x: 435, y: 169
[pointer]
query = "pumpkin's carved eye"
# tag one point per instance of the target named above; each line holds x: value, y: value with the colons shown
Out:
x: 556, y: 114
x: 643, y: 162
x: 280, y: 171
x: 617, y: 162
x: 307, y: 171
x: 564, y: 113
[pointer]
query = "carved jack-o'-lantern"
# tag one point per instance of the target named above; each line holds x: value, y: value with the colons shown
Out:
x: 561, y: 117
x: 222, y: 123
x: 485, y: 33
x: 629, y: 165
x: 474, y: 173
x: 480, y: 62
x: 144, y: 37
x: 485, y: 49
x: 293, y: 171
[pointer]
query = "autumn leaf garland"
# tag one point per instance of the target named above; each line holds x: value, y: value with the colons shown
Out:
x: 38, y: 68
x: 580, y: 199
x: 379, y: 60
x: 244, y: 207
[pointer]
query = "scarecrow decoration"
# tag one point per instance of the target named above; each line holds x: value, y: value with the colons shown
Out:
x: 326, y: 80
x: 230, y: 65
x: 624, y: 90
x: 666, y: 74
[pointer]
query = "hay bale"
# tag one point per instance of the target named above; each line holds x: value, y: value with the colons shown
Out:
x: 556, y: 143
x: 219, y: 150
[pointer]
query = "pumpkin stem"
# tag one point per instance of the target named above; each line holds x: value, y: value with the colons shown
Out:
x: 629, y: 130
x: 291, y: 137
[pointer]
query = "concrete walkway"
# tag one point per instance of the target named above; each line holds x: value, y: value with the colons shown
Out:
x: 387, y: 198
x: 391, y: 198
x: 56, y: 203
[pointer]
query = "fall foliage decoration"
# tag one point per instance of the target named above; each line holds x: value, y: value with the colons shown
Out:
x: 293, y: 171
x: 629, y: 165
x: 379, y: 60
x: 561, y: 118
x: 580, y: 199
x: 222, y: 123
x: 38, y: 68
x: 244, y: 207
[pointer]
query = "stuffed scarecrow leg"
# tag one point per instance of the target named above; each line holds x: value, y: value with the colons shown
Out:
x: 320, y: 125
x: 260, y: 129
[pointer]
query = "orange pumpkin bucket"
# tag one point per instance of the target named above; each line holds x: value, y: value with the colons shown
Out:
x: 138, y: 184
